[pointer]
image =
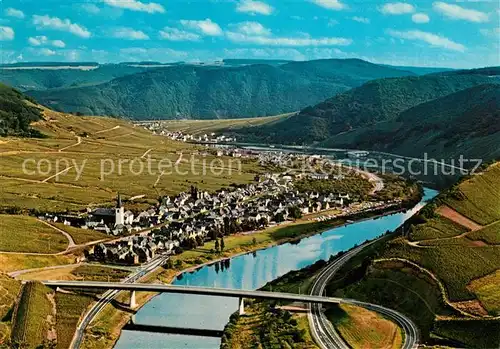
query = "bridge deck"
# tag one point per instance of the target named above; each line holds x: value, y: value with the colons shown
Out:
x: 207, y: 291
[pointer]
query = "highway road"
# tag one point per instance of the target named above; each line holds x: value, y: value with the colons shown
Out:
x: 322, y: 329
x: 108, y: 296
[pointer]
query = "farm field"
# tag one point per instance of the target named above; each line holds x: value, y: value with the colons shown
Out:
x: 87, y: 160
x: 488, y: 292
x: 436, y: 228
x: 12, y: 262
x: 200, y: 127
x: 478, y: 198
x: 82, y: 236
x: 489, y: 234
x: 69, y: 309
x: 29, y: 235
x: 9, y: 289
x: 452, y: 264
x: 362, y: 328
x: 30, y: 327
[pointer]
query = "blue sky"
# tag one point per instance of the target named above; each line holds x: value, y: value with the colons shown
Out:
x: 419, y: 32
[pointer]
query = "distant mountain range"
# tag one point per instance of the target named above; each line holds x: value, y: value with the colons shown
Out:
x: 236, y: 88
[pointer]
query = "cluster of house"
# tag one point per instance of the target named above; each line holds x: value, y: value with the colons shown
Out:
x: 160, y: 129
x: 191, y: 218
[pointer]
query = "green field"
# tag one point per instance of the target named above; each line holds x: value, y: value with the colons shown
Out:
x: 489, y: 234
x: 82, y: 236
x: 478, y: 198
x: 9, y: 289
x: 27, y: 234
x: 69, y: 309
x: 472, y: 333
x: 401, y: 289
x: 200, y: 127
x: 436, y: 228
x: 109, y: 156
x: 488, y: 292
x: 455, y: 265
x: 30, y: 326
x: 362, y: 328
x: 98, y: 273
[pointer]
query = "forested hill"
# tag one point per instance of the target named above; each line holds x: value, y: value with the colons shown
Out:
x: 463, y: 123
x: 50, y: 78
x: 15, y: 114
x: 374, y: 102
x: 204, y: 92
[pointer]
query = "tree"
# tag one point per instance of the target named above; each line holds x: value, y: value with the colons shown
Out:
x: 254, y: 241
x: 295, y: 212
x: 222, y: 244
x: 216, y: 245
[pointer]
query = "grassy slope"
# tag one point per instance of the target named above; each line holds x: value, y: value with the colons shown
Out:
x: 469, y: 271
x: 478, y: 197
x: 82, y: 236
x: 120, y: 141
x: 27, y: 234
x: 69, y: 309
x: 9, y: 289
x: 30, y: 325
x: 362, y: 328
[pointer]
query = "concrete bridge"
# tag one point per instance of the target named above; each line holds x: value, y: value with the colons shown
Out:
x: 207, y: 291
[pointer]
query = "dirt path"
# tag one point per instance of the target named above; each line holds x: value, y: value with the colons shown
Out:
x: 456, y: 217
x: 71, y: 242
x: 78, y: 142
x: 57, y: 174
x: 109, y: 129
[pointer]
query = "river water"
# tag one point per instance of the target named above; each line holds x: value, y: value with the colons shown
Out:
x: 250, y: 271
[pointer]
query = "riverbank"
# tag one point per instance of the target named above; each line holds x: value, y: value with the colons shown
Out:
x: 105, y: 330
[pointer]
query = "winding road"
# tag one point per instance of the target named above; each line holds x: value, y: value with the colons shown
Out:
x: 108, y: 296
x: 322, y: 329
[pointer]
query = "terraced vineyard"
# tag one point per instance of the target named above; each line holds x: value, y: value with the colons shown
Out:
x: 443, y: 268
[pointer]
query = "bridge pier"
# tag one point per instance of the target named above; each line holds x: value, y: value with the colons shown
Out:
x: 133, y: 304
x: 242, y: 306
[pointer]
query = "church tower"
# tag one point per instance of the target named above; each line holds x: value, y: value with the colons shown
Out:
x: 119, y: 211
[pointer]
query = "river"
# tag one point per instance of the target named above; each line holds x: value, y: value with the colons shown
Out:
x: 250, y: 271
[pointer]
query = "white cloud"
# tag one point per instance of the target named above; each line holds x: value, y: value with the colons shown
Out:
x: 12, y: 12
x: 128, y: 34
x: 60, y: 24
x: 430, y: 38
x: 174, y: 34
x: 58, y: 43
x: 361, y: 19
x: 43, y: 40
x: 46, y: 52
x: 332, y: 23
x: 38, y: 40
x: 254, y: 7
x: 91, y: 8
x: 330, y: 4
x: 287, y: 41
x: 135, y: 5
x: 495, y: 32
x: 6, y: 33
x: 252, y: 28
x: 397, y: 8
x: 420, y: 18
x: 206, y: 27
x: 458, y: 12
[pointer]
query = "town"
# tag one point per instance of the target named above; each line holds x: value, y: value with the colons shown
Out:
x: 189, y: 219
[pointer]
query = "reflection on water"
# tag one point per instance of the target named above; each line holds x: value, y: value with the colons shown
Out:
x: 250, y: 271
